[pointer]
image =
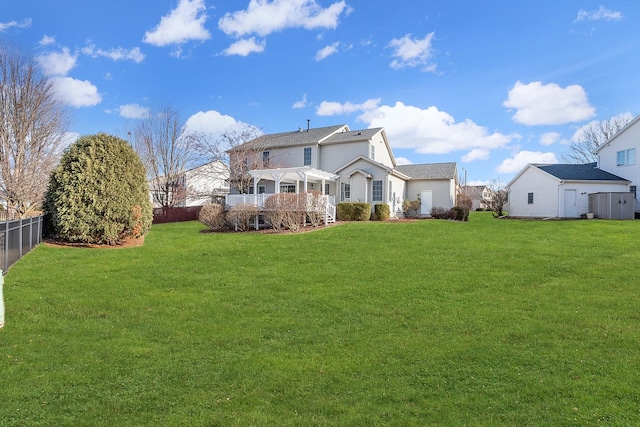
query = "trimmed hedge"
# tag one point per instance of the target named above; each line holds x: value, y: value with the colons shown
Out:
x: 353, y: 211
x: 382, y: 212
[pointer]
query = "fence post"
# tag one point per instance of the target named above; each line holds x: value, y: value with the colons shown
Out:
x: 1, y: 300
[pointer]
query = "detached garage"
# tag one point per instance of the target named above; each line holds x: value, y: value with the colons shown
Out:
x: 560, y: 190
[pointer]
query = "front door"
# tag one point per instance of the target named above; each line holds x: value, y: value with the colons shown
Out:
x: 426, y: 202
x: 570, y: 204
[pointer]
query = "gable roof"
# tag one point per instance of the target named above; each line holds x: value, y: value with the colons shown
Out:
x: 620, y: 132
x: 352, y: 135
x: 429, y: 171
x: 578, y: 172
x: 286, y: 139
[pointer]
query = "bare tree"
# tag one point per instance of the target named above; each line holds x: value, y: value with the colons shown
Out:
x: 166, y: 148
x: 33, y: 125
x: 591, y: 136
x: 496, y: 197
x: 241, y: 150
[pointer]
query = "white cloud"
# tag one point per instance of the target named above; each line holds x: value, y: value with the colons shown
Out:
x: 76, y: 93
x: 410, y: 52
x: 302, y: 103
x: 184, y: 23
x: 57, y: 63
x: 523, y: 158
x: 214, y: 124
x: 327, y: 51
x: 538, y: 104
x: 47, y: 40
x: 403, y: 161
x: 245, y: 47
x: 596, y: 15
x: 476, y: 154
x: 134, y: 111
x: 549, y: 138
x: 4, y: 26
x: 327, y: 108
x: 263, y: 17
x: 427, y: 131
x: 117, y: 54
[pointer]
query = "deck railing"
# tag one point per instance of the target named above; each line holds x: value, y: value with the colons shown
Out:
x: 329, y: 202
x: 259, y: 199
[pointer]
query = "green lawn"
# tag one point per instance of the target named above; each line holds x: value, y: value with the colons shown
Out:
x: 490, y: 322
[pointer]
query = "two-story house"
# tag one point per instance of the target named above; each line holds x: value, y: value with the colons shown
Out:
x: 569, y: 190
x: 343, y: 164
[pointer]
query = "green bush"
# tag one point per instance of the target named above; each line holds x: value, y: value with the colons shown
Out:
x: 354, y: 211
x: 382, y: 212
x: 461, y: 213
x: 98, y: 193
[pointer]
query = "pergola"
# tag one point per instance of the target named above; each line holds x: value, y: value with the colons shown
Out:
x: 304, y: 175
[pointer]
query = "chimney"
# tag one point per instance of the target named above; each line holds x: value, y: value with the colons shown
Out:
x: 308, y: 124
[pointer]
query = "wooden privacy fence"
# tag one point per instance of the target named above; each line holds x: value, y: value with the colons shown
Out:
x: 162, y: 215
x: 17, y: 238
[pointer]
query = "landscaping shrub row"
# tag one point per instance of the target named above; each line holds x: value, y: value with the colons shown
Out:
x: 353, y: 211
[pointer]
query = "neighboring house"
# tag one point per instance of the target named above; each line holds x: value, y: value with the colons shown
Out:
x: 618, y: 156
x: 341, y: 164
x: 560, y: 190
x: 478, y: 194
x: 206, y: 183
x: 564, y: 190
x: 195, y: 187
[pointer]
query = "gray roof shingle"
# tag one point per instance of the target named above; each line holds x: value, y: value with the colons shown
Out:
x: 429, y: 170
x: 286, y: 139
x: 579, y: 172
x: 352, y: 135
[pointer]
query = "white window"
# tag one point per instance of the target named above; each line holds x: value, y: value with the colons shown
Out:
x: 345, y: 191
x: 307, y: 156
x: 287, y: 188
x: 372, y: 152
x: 377, y: 191
x: 626, y: 157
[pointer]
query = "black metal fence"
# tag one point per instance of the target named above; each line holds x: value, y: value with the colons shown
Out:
x: 17, y: 238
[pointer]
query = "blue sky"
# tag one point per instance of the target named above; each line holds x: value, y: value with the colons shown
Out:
x: 490, y: 85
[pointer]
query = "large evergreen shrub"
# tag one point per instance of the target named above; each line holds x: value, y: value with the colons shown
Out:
x: 98, y: 193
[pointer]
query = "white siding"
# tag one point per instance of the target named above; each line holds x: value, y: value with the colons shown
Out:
x: 442, y: 190
x: 545, y: 194
x: 334, y: 156
x: 398, y: 186
x: 382, y: 154
x: 607, y: 160
x: 583, y: 189
x: 549, y: 192
x: 290, y: 157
